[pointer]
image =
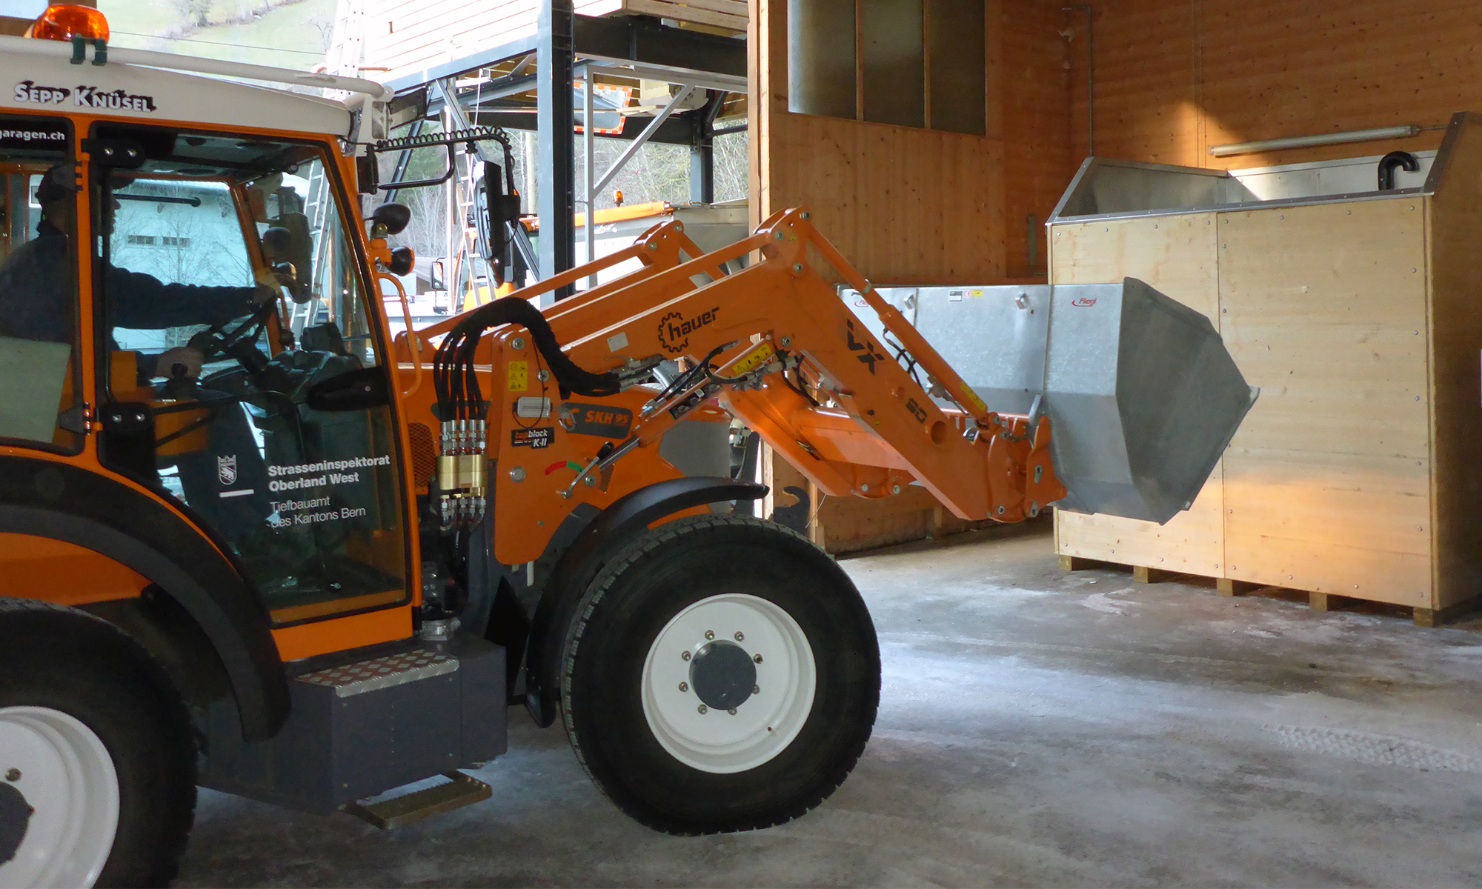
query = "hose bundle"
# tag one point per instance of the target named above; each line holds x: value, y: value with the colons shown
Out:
x: 459, y: 396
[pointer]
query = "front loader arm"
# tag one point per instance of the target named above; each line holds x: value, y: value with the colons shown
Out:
x: 776, y: 346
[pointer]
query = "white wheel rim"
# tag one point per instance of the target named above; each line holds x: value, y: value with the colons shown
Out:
x: 67, y: 777
x: 719, y: 741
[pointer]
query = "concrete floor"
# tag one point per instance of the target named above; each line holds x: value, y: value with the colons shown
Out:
x: 1036, y: 728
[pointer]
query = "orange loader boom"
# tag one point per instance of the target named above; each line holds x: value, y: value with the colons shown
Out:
x: 775, y: 346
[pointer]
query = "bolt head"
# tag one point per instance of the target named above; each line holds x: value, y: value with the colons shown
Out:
x: 709, y: 634
x: 756, y: 689
x: 740, y: 636
x: 757, y: 658
x: 518, y: 343
x: 12, y: 775
x: 517, y: 474
x: 732, y: 711
x: 684, y: 686
x: 685, y: 656
x: 704, y: 709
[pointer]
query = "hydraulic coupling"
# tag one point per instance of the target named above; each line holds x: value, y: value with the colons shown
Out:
x: 462, y: 478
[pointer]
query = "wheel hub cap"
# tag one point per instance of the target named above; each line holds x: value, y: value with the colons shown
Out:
x: 723, y: 675
x: 728, y: 683
x: 15, y: 817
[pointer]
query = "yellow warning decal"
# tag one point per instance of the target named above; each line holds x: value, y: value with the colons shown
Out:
x: 976, y: 404
x: 755, y: 359
x: 518, y: 376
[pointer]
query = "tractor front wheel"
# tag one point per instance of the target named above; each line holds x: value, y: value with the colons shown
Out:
x: 722, y: 674
x: 97, y: 755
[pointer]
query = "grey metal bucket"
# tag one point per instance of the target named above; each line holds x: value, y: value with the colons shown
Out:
x: 1142, y: 398
x: 1141, y: 394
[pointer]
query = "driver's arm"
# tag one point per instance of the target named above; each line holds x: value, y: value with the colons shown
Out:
x: 143, y: 302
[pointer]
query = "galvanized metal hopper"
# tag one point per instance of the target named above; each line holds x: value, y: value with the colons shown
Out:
x: 1141, y: 394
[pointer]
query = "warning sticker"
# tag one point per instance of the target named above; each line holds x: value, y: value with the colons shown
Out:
x: 519, y: 376
x: 537, y: 439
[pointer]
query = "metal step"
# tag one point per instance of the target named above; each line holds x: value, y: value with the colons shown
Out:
x: 460, y: 790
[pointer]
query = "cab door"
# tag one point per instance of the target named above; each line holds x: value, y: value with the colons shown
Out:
x: 234, y: 330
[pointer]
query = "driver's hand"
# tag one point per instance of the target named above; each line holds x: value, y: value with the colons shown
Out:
x: 268, y: 287
x: 182, y: 357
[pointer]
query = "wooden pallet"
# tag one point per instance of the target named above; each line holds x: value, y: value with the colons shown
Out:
x: 1423, y: 617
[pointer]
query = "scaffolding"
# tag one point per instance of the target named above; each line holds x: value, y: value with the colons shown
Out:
x: 559, y: 68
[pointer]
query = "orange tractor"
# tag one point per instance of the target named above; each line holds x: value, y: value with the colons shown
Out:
x: 252, y: 541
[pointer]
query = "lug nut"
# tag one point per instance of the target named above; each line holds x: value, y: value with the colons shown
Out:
x: 740, y: 636
x: 704, y: 709
x: 732, y: 711
x: 13, y: 775
x: 709, y: 635
x: 686, y: 655
x: 684, y: 686
x: 757, y: 658
x: 756, y: 689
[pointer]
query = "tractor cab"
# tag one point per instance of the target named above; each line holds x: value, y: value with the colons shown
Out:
x: 195, y: 298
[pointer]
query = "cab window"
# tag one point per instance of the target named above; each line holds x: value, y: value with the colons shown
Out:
x: 40, y: 402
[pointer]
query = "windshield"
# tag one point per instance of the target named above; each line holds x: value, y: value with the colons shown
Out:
x: 234, y: 308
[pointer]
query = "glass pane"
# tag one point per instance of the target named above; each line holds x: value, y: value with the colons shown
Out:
x: 39, y: 401
x: 228, y: 254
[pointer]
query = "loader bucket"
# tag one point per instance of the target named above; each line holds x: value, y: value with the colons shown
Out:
x: 1142, y: 399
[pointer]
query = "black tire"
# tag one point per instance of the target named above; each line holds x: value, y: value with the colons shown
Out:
x: 67, y: 661
x: 634, y: 606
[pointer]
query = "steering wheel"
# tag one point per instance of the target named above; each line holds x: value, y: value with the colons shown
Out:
x: 221, y: 340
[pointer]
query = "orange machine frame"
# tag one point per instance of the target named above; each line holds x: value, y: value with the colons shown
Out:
x: 868, y: 429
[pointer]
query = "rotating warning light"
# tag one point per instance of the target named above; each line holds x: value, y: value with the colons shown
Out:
x: 64, y: 21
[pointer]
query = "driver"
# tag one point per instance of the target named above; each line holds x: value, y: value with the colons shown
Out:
x: 36, y: 302
x: 36, y: 292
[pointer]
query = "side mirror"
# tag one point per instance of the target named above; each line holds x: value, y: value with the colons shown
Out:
x: 390, y: 219
x: 289, y: 243
x: 436, y: 275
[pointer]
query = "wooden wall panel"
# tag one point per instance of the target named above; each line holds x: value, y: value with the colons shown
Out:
x: 1178, y: 256
x: 912, y: 206
x: 1176, y: 76
x: 1327, y: 482
x: 1027, y: 67
x: 1455, y: 229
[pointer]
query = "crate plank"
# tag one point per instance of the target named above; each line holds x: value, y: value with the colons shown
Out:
x: 1327, y: 483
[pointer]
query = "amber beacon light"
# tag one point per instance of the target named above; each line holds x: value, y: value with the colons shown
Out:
x: 64, y: 21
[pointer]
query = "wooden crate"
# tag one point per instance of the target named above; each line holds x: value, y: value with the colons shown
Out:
x: 407, y: 38
x: 1357, y: 472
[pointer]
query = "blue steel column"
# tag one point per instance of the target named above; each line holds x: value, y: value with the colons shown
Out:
x: 555, y: 122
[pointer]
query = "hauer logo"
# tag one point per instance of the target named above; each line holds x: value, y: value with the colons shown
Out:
x: 674, y: 330
x: 226, y: 469
x: 1082, y: 302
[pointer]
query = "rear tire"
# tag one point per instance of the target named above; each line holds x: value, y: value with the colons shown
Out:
x: 99, y: 745
x: 722, y: 674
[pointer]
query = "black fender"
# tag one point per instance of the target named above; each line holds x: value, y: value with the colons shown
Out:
x: 598, y: 541
x: 71, y: 504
